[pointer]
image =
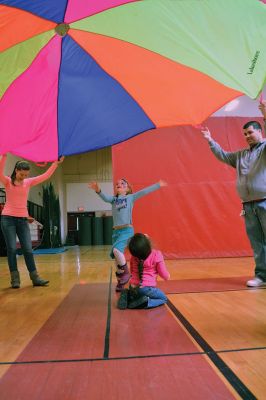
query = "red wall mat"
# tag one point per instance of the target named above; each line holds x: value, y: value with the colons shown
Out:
x: 146, y: 332
x: 197, y: 214
x: 171, y: 378
x: 75, y: 330
x: 204, y: 285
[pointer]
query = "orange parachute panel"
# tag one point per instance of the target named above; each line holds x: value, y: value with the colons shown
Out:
x: 17, y: 25
x: 186, y: 95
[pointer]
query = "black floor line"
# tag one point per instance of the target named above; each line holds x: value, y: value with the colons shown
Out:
x: 229, y: 375
x: 216, y: 291
x: 241, y: 349
x: 108, y: 322
x: 75, y: 360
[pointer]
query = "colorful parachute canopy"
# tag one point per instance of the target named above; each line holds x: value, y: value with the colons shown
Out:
x: 79, y: 75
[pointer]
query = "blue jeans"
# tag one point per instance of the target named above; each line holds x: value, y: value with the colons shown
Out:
x: 155, y: 295
x: 12, y: 226
x: 255, y: 219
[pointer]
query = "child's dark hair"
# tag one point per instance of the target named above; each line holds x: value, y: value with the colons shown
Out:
x: 20, y: 166
x: 140, y: 246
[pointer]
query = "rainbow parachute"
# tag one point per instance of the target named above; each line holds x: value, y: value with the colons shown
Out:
x: 79, y: 75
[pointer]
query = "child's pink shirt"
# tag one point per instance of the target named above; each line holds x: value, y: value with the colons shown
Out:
x: 154, y: 265
x: 17, y: 196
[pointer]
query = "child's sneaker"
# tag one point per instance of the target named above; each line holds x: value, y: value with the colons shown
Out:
x: 123, y: 277
x: 119, y: 287
x: 256, y: 282
x: 122, y: 302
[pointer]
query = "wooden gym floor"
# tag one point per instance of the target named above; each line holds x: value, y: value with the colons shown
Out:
x: 68, y: 341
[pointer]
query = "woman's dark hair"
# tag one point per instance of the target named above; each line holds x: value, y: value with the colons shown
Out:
x: 140, y: 246
x: 20, y: 166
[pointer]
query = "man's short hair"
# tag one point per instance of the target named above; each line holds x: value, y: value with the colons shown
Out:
x: 255, y: 124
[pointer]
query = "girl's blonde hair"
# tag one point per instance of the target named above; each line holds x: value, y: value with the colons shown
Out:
x: 130, y: 190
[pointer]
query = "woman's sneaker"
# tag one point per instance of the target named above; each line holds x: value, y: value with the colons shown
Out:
x: 256, y: 282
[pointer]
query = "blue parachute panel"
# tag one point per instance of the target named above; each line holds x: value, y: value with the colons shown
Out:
x: 94, y: 111
x: 53, y: 10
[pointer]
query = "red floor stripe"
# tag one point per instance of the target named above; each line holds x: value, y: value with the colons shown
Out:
x: 203, y: 285
x: 168, y: 378
x: 75, y: 330
x: 146, y: 332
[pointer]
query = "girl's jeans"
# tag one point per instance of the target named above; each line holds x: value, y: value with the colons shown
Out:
x: 255, y: 219
x: 155, y: 295
x: 12, y: 226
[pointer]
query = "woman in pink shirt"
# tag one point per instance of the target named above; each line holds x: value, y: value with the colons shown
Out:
x: 145, y: 266
x: 14, y: 220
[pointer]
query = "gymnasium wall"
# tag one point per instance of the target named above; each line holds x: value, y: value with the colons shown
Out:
x: 197, y: 214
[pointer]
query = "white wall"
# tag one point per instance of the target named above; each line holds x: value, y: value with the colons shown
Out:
x: 77, y: 171
x: 242, y: 106
x: 79, y: 195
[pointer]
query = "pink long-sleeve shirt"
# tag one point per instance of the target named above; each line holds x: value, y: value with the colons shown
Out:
x: 17, y: 196
x: 154, y: 265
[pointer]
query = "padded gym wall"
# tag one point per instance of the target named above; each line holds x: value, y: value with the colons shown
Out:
x: 197, y: 214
